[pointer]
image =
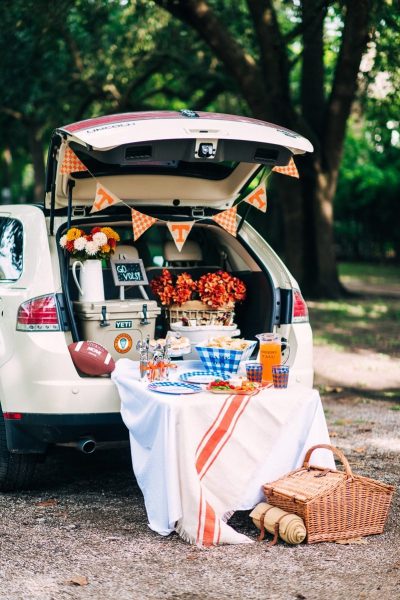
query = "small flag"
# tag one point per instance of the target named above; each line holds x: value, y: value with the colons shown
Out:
x: 227, y: 220
x: 71, y: 163
x: 141, y: 223
x: 290, y: 169
x: 103, y: 199
x: 258, y: 197
x: 179, y: 231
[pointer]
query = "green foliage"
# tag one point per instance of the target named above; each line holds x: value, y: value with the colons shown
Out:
x: 367, y: 211
x: 73, y: 59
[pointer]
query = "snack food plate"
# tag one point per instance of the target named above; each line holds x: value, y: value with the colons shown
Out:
x: 202, y: 376
x: 235, y: 392
x: 173, y: 387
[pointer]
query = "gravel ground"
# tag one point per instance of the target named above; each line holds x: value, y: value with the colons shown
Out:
x: 85, y: 521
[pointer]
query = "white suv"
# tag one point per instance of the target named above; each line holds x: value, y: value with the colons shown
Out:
x: 183, y: 166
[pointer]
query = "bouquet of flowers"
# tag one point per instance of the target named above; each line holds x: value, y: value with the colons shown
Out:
x: 98, y: 244
x: 219, y: 289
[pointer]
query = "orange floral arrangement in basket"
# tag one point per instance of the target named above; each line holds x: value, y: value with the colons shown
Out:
x: 217, y: 289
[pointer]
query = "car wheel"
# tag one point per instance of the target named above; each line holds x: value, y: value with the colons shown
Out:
x: 16, y: 470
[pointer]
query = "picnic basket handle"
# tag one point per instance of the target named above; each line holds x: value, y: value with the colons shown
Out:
x: 335, y: 451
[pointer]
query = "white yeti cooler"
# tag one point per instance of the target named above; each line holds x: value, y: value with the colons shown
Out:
x: 117, y: 324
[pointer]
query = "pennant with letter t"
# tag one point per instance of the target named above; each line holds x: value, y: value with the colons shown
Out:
x: 179, y: 231
x: 71, y: 163
x: 227, y: 220
x: 290, y: 169
x: 103, y: 198
x: 141, y: 223
x: 258, y: 197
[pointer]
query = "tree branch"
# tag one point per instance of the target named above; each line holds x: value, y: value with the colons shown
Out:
x: 312, y: 74
x: 354, y: 41
x: 136, y: 83
x: 15, y: 114
x: 274, y: 60
x: 308, y: 22
x: 239, y: 64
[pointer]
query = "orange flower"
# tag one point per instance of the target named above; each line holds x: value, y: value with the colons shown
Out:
x: 214, y: 289
x: 110, y: 233
x: 73, y: 234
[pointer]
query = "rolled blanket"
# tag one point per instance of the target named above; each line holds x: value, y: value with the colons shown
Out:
x: 290, y: 527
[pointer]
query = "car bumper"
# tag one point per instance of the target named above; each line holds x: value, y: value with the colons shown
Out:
x: 34, y: 432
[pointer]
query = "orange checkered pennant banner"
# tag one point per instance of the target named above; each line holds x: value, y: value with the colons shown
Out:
x: 180, y: 231
x: 290, y: 169
x: 71, y: 163
x: 227, y: 220
x: 258, y: 197
x: 103, y: 199
x: 141, y: 223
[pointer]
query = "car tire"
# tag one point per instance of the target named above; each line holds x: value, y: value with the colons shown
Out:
x: 16, y: 470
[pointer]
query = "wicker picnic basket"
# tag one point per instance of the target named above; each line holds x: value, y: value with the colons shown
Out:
x: 335, y: 505
x: 194, y: 312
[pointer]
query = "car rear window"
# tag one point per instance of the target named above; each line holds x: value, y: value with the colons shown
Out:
x: 11, y: 243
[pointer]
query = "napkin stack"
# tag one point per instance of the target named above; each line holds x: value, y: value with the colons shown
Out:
x: 288, y: 526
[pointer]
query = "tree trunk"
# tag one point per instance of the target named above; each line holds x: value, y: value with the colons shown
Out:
x: 290, y: 198
x: 307, y: 209
x: 36, y: 148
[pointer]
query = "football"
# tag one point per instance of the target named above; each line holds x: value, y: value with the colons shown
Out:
x: 91, y: 358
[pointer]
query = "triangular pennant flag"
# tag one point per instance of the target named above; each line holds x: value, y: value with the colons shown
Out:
x: 103, y: 198
x: 290, y: 169
x: 258, y: 197
x: 179, y: 231
x: 141, y: 223
x: 227, y: 220
x: 71, y: 163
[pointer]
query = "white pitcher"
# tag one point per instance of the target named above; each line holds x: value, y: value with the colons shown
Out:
x: 90, y: 283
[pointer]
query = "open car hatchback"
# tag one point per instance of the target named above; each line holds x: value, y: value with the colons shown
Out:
x: 170, y: 167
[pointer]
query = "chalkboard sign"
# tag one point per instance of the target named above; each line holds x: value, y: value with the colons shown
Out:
x: 128, y: 272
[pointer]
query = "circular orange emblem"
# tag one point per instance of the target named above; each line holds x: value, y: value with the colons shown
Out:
x: 123, y: 343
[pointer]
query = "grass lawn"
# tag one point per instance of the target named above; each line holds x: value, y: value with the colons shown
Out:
x: 379, y: 274
x: 365, y: 321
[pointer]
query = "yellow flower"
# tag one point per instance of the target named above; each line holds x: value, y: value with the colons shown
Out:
x: 110, y: 233
x: 106, y: 248
x: 73, y: 234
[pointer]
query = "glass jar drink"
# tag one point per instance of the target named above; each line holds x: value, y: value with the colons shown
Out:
x: 270, y: 353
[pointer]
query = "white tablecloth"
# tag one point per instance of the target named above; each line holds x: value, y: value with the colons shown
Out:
x: 198, y: 458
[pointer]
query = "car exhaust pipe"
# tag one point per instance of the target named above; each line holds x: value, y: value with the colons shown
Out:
x: 87, y: 446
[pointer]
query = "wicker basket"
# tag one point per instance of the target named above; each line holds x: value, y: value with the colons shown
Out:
x: 195, y: 312
x: 334, y: 505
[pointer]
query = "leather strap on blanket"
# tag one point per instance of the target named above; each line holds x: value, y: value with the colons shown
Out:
x: 276, y: 528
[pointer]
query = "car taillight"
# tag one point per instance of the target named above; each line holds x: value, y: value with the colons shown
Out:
x: 39, y: 314
x: 300, y: 310
x: 12, y: 416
